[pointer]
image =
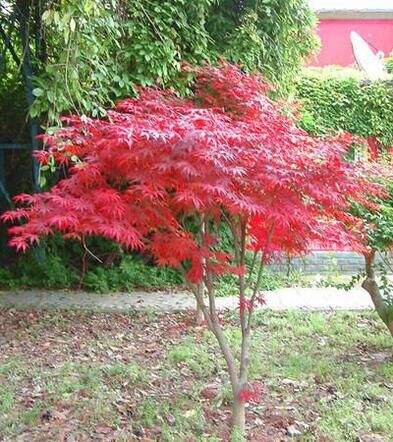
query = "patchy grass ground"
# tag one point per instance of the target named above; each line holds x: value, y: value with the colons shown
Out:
x: 72, y: 376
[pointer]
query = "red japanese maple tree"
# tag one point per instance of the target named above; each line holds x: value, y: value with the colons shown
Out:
x: 226, y: 155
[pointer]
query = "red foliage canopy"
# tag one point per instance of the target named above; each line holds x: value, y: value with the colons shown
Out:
x: 228, y: 151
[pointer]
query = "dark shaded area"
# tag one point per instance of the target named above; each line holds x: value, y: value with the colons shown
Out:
x: 20, y: 45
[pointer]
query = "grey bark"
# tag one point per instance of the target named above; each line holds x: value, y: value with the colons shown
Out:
x: 371, y: 286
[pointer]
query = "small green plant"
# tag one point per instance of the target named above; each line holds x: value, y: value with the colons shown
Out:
x: 31, y: 415
x: 236, y: 436
x: 119, y: 373
x: 193, y: 355
x: 148, y: 412
x: 7, y: 400
x: 74, y: 377
x: 389, y: 65
x: 334, y: 277
x: 385, y: 281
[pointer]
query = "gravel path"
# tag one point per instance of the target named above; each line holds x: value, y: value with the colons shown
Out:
x: 283, y: 299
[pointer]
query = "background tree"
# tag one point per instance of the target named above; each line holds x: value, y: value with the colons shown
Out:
x: 335, y: 99
x: 378, y: 284
x: 165, y: 175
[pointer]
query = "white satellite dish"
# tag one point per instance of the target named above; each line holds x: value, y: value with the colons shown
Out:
x: 369, y: 62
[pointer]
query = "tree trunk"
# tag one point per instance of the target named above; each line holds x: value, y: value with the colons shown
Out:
x: 199, y: 313
x: 238, y: 408
x: 238, y: 416
x: 371, y: 286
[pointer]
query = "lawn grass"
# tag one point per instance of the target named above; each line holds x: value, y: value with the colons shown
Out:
x: 103, y: 376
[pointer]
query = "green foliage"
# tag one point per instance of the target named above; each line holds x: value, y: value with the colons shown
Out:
x: 236, y: 436
x: 92, y: 53
x: 385, y: 284
x: 131, y: 273
x: 379, y: 228
x: 12, y: 105
x: 273, y: 36
x: 247, y: 43
x: 120, y: 372
x: 83, y: 36
x: 102, y: 49
x: 150, y: 39
x: 60, y: 265
x: 194, y: 356
x: 161, y: 34
x: 379, y: 223
x: 59, y: 268
x: 7, y: 401
x: 100, y: 267
x: 228, y: 284
x: 341, y: 99
x: 389, y: 65
x: 34, y: 271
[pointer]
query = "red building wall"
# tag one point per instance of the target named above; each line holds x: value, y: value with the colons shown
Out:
x: 335, y: 41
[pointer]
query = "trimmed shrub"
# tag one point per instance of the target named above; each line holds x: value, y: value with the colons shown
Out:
x: 342, y: 99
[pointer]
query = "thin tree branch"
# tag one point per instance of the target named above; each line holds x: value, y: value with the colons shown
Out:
x: 215, y: 327
x: 89, y: 251
x: 386, y: 261
x: 259, y: 277
x: 197, y: 294
x: 234, y: 235
x: 8, y: 45
x: 244, y: 356
x: 242, y: 287
x: 251, y: 269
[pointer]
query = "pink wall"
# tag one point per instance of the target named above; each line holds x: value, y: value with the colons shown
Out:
x: 335, y: 43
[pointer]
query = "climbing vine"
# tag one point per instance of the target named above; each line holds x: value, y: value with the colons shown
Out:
x: 342, y: 99
x: 88, y: 54
x: 273, y: 36
x: 101, y: 51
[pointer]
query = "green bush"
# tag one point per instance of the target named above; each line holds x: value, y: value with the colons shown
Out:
x: 101, y: 267
x: 38, y: 270
x: 33, y: 271
x: 342, y: 99
x: 131, y: 273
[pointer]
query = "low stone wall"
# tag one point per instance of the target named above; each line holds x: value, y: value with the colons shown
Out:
x: 348, y: 263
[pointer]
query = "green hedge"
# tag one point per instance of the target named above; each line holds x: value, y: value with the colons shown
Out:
x: 342, y: 99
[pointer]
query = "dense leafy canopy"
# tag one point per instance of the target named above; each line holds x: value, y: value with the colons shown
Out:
x: 157, y: 159
x: 86, y: 54
x: 273, y: 36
